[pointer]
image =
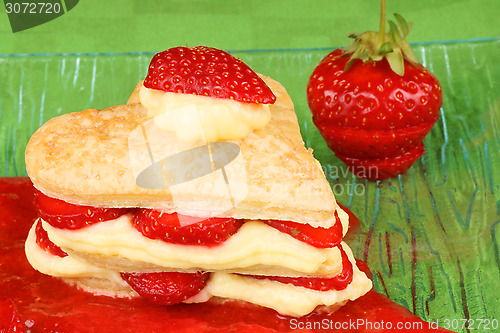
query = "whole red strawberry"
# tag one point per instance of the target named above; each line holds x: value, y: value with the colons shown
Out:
x: 209, y: 72
x: 374, y: 103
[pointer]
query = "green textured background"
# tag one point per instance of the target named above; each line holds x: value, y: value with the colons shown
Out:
x: 431, y: 237
x: 155, y: 25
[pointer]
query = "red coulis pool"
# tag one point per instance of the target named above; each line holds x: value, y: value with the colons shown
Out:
x: 33, y: 302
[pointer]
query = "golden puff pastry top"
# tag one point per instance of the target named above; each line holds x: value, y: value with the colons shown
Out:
x: 94, y: 157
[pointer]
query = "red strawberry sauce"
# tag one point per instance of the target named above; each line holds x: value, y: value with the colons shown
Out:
x: 45, y: 304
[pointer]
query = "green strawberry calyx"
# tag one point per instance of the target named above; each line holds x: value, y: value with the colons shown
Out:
x: 375, y: 45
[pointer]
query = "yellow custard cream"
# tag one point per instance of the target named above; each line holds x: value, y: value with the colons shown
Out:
x: 255, y: 249
x: 199, y: 118
x: 287, y: 299
x: 68, y: 266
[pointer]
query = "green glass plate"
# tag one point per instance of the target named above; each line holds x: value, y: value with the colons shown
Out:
x: 431, y: 236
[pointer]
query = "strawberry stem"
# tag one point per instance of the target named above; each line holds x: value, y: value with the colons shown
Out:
x: 376, y: 45
x: 381, y: 31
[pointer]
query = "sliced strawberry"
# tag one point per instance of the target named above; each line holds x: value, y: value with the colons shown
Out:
x: 43, y: 241
x: 317, y: 237
x: 63, y: 215
x: 209, y: 72
x: 155, y: 224
x: 338, y: 282
x: 10, y: 320
x: 167, y: 288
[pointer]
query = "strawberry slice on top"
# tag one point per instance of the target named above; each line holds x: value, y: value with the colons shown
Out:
x: 208, y: 72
